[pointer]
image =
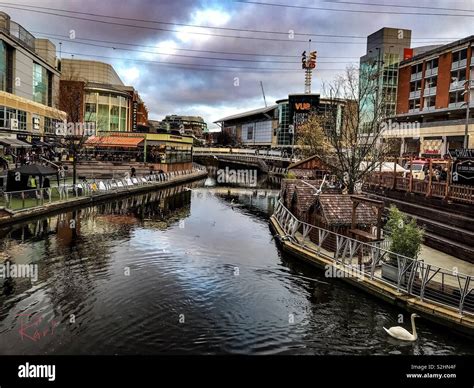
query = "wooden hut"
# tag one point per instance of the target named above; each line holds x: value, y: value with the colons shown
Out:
x: 334, y: 212
x: 309, y: 168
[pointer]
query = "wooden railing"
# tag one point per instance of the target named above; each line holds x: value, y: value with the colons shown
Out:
x: 445, y: 190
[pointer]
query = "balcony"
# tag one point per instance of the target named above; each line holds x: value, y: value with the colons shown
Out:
x: 431, y: 72
x: 456, y: 104
x: 459, y: 64
x: 416, y: 76
x: 416, y: 110
x: 429, y: 91
x: 456, y: 85
x: 415, y: 94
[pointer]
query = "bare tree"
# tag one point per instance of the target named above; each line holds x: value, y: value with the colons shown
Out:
x: 352, y: 142
x: 79, y: 126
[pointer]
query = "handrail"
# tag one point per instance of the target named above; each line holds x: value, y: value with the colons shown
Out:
x: 413, y: 276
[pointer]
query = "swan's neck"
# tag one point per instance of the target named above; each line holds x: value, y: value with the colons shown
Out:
x: 413, y: 327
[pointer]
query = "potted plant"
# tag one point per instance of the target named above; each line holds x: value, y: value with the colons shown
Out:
x: 405, y: 240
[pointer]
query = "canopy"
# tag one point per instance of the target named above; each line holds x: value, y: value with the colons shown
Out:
x: 114, y: 141
x: 15, y: 143
x: 40, y: 143
x: 35, y: 170
x: 386, y: 167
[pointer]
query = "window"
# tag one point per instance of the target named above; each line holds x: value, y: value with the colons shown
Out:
x: 432, y: 64
x: 415, y: 86
x: 123, y: 119
x: 431, y: 82
x: 456, y: 97
x: 458, y: 75
x: 91, y: 112
x: 48, y: 123
x: 103, y: 118
x: 459, y: 55
x: 40, y: 84
x: 114, y: 118
x: 3, y: 66
x: 417, y: 68
x: 430, y: 102
x: 415, y: 104
x: 250, y: 132
x: 21, y: 115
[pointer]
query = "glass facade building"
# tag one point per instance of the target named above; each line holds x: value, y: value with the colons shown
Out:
x: 3, y: 66
x: 41, y: 88
x: 109, y: 111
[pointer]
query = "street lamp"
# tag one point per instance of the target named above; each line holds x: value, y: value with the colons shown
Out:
x: 467, y: 85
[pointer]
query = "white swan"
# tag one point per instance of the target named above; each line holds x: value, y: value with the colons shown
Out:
x: 400, y: 333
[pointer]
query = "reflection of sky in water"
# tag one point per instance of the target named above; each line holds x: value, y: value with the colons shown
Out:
x: 183, y: 261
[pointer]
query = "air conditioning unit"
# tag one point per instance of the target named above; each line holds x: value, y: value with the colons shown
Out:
x: 13, y: 124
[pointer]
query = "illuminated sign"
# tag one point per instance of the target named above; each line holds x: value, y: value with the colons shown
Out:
x: 308, y: 63
x: 300, y: 106
x: 134, y: 115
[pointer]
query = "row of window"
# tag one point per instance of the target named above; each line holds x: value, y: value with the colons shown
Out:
x: 431, y: 82
x: 433, y: 63
x: 21, y: 117
x: 430, y: 101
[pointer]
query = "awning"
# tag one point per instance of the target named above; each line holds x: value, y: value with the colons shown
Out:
x: 14, y: 143
x: 114, y: 141
x: 39, y: 143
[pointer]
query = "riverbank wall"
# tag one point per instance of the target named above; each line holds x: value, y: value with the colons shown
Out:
x: 8, y: 217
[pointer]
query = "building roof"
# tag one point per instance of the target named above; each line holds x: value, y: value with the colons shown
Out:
x: 248, y: 113
x: 303, y: 161
x: 305, y: 197
x: 337, y: 210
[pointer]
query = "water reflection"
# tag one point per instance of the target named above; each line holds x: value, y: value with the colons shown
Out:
x: 188, y: 270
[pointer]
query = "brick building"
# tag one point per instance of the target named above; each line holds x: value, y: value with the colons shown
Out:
x: 435, y: 94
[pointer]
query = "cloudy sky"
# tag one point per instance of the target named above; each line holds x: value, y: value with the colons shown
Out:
x: 177, y: 67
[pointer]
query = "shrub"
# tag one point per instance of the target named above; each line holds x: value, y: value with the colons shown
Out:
x: 406, y: 237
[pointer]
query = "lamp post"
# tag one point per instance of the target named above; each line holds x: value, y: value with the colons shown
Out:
x: 467, y: 85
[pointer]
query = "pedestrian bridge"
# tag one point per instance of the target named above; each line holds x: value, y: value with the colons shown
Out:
x: 237, y: 153
x: 268, y: 161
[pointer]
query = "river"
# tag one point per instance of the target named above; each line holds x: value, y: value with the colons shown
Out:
x: 189, y: 270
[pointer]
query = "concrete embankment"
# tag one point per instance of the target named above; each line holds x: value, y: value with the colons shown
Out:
x: 463, y: 324
x: 11, y: 217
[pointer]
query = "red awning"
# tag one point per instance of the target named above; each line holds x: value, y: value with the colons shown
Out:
x: 114, y: 141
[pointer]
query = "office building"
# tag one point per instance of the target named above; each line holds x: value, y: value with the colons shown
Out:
x: 29, y: 87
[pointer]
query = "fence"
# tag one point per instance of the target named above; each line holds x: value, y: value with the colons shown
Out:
x: 412, y: 277
x: 444, y: 190
x: 27, y: 199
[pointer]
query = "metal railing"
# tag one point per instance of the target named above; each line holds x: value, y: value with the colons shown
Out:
x: 422, y: 280
x: 27, y: 199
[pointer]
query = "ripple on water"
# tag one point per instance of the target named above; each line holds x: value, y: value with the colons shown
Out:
x: 215, y: 284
